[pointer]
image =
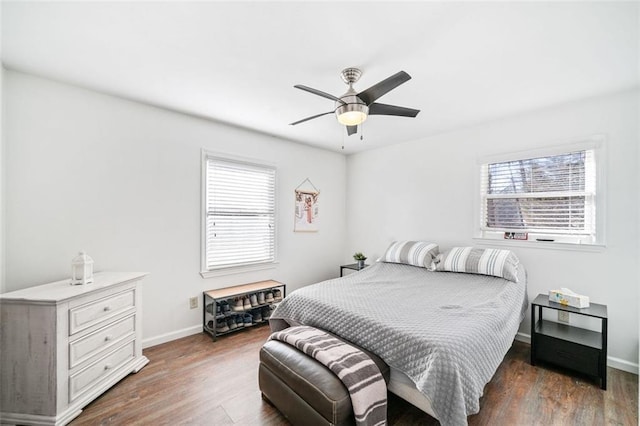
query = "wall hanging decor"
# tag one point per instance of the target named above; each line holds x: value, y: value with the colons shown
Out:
x: 306, y: 207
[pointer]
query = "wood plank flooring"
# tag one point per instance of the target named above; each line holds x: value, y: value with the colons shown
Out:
x: 194, y: 381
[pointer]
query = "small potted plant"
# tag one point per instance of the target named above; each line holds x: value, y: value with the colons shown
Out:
x: 360, y: 258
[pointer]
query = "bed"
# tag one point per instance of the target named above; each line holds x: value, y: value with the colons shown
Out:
x: 443, y: 334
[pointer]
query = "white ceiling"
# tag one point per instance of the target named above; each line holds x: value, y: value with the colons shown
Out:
x: 237, y: 62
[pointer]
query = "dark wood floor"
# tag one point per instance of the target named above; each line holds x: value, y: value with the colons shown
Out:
x: 196, y: 381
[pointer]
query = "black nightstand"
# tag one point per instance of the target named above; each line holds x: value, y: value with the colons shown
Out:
x: 353, y: 266
x: 568, y: 346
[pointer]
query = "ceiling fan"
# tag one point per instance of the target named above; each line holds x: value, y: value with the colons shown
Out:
x: 353, y: 108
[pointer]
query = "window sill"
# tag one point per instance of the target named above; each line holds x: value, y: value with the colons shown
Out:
x: 547, y: 245
x: 238, y: 270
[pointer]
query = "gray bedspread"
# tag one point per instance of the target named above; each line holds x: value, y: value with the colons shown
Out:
x: 447, y: 331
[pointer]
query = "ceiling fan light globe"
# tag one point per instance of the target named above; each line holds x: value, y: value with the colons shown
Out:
x: 353, y: 112
x: 352, y: 118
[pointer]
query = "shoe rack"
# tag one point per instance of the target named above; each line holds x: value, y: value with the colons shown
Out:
x: 230, y: 309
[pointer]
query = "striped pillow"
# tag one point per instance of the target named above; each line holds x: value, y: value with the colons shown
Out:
x: 415, y: 253
x: 499, y: 263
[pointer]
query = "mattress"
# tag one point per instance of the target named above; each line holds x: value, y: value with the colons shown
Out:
x: 402, y: 386
x: 444, y: 332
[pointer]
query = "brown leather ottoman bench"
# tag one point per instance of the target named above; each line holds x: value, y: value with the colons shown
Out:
x: 304, y: 390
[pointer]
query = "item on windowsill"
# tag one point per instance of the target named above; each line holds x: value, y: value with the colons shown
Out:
x: 360, y: 258
x: 566, y: 297
x: 82, y: 269
x: 516, y: 236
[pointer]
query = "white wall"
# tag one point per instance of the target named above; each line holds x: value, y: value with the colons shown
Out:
x: 425, y: 190
x: 2, y: 168
x: 121, y: 180
x: 2, y: 183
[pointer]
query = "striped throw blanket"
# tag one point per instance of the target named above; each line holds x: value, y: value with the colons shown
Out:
x: 354, y: 368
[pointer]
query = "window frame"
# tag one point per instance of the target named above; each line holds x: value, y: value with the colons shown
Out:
x: 596, y: 143
x: 207, y: 273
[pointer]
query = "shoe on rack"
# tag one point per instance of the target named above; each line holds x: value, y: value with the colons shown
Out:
x: 261, y: 298
x: 254, y: 300
x: 221, y: 325
x: 237, y: 305
x: 248, y: 319
x: 239, y: 321
x: 209, y: 308
x: 246, y: 302
x: 277, y: 295
x: 210, y: 325
x: 269, y: 297
x: 231, y: 323
x: 257, y: 315
x: 266, y: 312
x: 224, y: 307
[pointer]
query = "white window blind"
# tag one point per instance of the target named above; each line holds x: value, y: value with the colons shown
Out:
x: 240, y: 214
x: 551, y: 195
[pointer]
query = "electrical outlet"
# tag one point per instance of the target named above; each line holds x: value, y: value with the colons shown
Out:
x: 563, y: 316
x: 193, y: 302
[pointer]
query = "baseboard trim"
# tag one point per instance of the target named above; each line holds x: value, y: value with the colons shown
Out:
x: 621, y: 364
x: 168, y: 337
x: 613, y: 362
x: 525, y: 338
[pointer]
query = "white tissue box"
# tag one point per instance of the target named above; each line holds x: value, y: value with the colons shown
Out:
x: 569, y: 298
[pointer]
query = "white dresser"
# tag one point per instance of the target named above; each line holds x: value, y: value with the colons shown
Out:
x: 63, y: 345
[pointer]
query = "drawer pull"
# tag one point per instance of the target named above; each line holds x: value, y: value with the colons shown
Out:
x: 107, y: 308
x: 107, y: 367
x: 107, y: 338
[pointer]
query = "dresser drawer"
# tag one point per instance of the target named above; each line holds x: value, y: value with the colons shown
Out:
x: 89, y: 314
x: 84, y: 380
x: 569, y: 355
x: 100, y: 341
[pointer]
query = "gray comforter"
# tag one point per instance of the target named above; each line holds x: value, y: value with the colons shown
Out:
x: 446, y: 331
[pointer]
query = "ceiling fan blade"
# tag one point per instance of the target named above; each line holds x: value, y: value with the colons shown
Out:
x: 351, y: 130
x: 377, y: 90
x: 384, y: 109
x: 310, y: 118
x: 318, y: 92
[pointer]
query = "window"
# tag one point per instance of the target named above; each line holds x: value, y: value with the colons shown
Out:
x: 549, y: 197
x: 239, y: 213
